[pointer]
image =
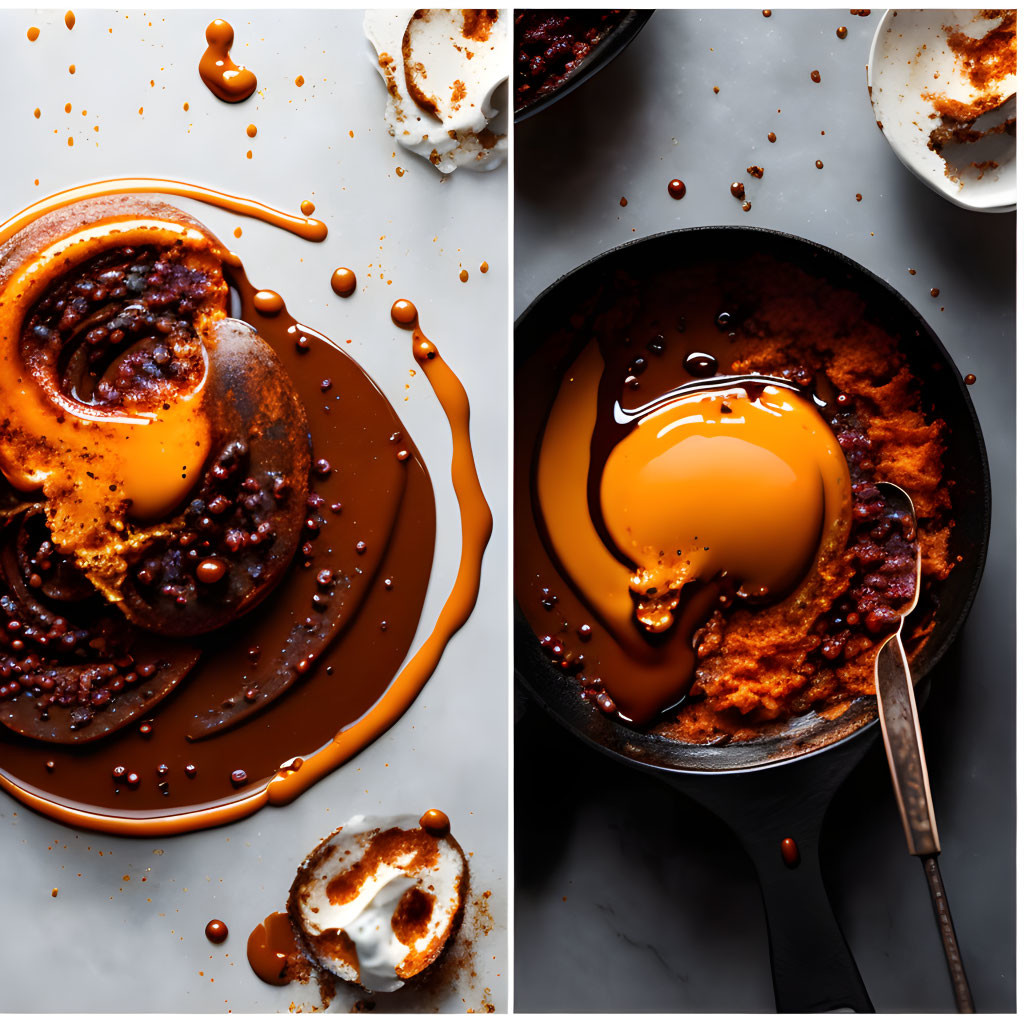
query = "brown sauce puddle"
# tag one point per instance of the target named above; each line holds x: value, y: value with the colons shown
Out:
x: 354, y: 682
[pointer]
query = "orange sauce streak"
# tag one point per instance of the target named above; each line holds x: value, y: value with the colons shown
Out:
x: 305, y: 227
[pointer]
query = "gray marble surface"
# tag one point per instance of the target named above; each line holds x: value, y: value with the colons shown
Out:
x: 638, y: 899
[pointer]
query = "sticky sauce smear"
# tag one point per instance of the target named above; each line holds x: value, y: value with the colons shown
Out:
x: 272, y: 949
x: 227, y: 80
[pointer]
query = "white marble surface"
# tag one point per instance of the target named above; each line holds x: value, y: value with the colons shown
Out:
x: 638, y: 899
x: 125, y: 931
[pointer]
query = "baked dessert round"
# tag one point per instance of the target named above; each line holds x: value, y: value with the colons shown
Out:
x: 379, y: 899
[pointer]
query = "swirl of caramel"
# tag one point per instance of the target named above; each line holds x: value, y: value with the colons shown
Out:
x: 157, y: 455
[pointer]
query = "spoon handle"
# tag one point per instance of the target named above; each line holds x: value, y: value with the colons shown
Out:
x: 957, y: 974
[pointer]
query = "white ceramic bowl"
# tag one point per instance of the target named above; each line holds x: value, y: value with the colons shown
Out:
x: 909, y: 58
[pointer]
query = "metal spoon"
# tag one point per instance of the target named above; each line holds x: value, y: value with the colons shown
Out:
x: 897, y: 712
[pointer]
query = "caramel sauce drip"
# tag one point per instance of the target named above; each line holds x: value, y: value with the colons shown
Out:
x: 272, y: 950
x: 305, y: 227
x: 227, y: 80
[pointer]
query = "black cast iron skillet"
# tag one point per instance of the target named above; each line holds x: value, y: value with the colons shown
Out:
x: 606, y: 50
x: 780, y: 786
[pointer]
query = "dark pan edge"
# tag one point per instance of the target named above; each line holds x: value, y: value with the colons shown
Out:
x: 625, y: 739
x: 599, y: 58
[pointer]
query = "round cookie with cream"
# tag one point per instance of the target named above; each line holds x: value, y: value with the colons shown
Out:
x: 377, y: 901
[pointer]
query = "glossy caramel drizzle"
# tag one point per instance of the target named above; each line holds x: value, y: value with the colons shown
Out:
x: 227, y: 80
x: 305, y: 227
x: 477, y: 522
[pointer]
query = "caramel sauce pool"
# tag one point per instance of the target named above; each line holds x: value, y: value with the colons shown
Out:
x: 378, y: 536
x: 271, y: 949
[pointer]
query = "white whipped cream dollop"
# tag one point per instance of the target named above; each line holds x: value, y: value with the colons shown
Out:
x: 377, y: 900
x: 442, y: 69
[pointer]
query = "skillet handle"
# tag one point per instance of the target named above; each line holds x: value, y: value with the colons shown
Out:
x: 813, y: 969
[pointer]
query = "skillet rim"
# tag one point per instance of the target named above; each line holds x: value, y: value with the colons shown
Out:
x: 608, y: 48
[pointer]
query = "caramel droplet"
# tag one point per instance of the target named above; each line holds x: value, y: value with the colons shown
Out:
x: 33, y: 34
x: 300, y: 81
x: 227, y: 80
x: 404, y: 314
x: 216, y: 931
x: 251, y: 131
x: 484, y: 267
x: 935, y: 293
x: 623, y: 201
x: 815, y: 76
x: 463, y: 276
x: 790, y: 852
x: 343, y: 281
x: 771, y: 136
x: 676, y: 189
x: 211, y: 570
x: 818, y: 164
x: 307, y: 207
x: 841, y: 32
x: 267, y: 302
x: 738, y: 189
x: 436, y: 822
x: 69, y: 20
x: 970, y: 379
